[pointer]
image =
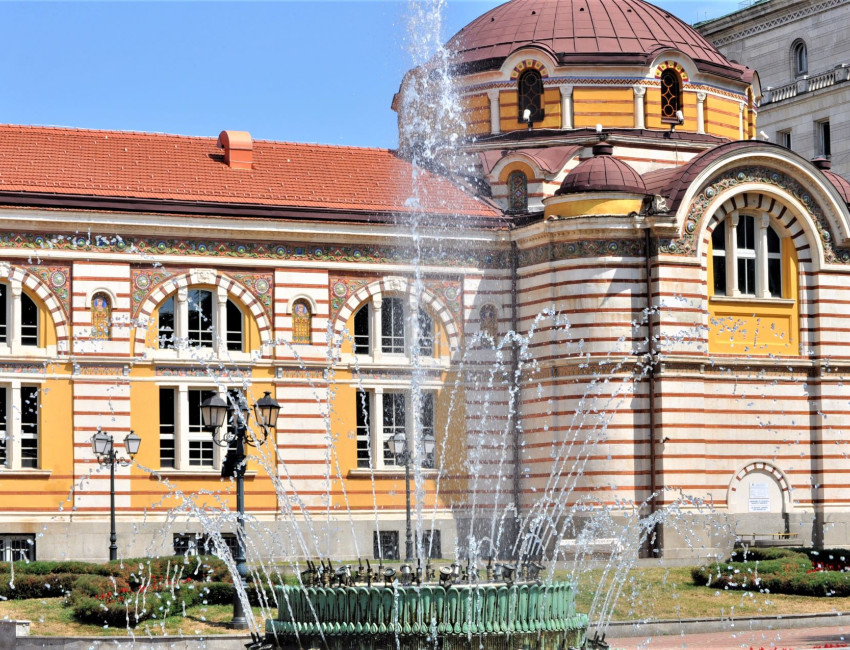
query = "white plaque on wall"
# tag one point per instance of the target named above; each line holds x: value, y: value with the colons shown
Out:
x: 759, y: 497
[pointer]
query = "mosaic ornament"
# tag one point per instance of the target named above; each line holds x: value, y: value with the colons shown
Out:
x: 57, y: 279
x: 344, y: 287
x: 580, y: 249
x: 259, y: 286
x: 143, y: 281
x: 101, y: 317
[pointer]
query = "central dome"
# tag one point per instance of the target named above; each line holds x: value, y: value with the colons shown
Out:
x: 584, y: 31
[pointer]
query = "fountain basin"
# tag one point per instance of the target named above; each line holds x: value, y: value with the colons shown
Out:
x: 490, y: 615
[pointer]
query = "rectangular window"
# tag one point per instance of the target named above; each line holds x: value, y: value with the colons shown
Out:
x: 361, y: 331
x: 4, y: 428
x: 165, y: 323
x: 392, y: 326
x: 824, y: 142
x: 426, y: 334
x: 29, y: 426
x: 784, y: 138
x: 202, y: 544
x: 427, y: 426
x: 385, y: 545
x: 167, y: 427
x: 718, y: 258
x: 394, y: 424
x: 14, y: 548
x: 4, y: 314
x: 29, y: 321
x: 234, y: 327
x: 431, y: 544
x: 364, y: 418
x: 201, y: 445
x: 774, y: 264
x: 746, y: 255
x: 200, y: 304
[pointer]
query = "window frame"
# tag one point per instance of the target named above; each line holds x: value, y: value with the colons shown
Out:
x: 530, y: 92
x: 8, y: 554
x: 823, y: 138
x: 799, y: 58
x: 12, y: 428
x: 372, y: 406
x: 374, y: 336
x: 15, y: 319
x: 517, y: 203
x: 187, y: 429
x: 758, y: 257
x: 188, y: 338
x: 672, y: 103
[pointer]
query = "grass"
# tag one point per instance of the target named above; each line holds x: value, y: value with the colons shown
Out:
x: 49, y: 617
x: 669, y: 593
x: 647, y: 594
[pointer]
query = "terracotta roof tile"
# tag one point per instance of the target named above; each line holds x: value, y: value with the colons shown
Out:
x: 132, y: 165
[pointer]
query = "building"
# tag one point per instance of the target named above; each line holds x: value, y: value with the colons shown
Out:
x: 802, y: 57
x: 623, y: 303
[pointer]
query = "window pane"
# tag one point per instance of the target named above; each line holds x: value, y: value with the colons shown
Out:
x: 432, y: 544
x: 200, y: 453
x: 774, y: 277
x: 385, y: 545
x: 531, y: 96
x: 200, y: 443
x: 393, y: 420
x: 29, y: 321
x: 29, y: 426
x: 719, y: 275
x: 363, y: 407
x: 670, y: 95
x: 4, y: 315
x: 747, y: 276
x: 427, y: 426
x: 392, y: 326
x: 517, y: 191
x: 746, y: 233
x: 235, y: 322
x: 4, y: 458
x: 774, y: 244
x: 200, y: 305
x: 167, y: 426
x: 166, y: 324
x: 361, y: 331
x: 426, y: 334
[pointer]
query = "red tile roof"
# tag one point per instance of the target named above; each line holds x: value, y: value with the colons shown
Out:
x: 49, y: 161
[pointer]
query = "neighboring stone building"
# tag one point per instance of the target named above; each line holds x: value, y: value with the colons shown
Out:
x: 644, y: 308
x: 802, y: 54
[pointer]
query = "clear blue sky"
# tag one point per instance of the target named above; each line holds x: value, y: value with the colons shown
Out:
x: 304, y: 71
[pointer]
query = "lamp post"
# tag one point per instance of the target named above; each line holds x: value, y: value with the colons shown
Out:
x: 214, y: 410
x: 103, y: 447
x: 398, y: 445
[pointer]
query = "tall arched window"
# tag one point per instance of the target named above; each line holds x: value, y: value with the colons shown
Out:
x: 517, y: 191
x: 799, y: 58
x: 489, y: 322
x: 302, y: 322
x: 671, y: 96
x: 201, y: 319
x: 530, y: 96
x: 101, y: 317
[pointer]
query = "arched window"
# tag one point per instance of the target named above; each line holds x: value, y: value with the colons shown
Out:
x: 208, y: 322
x: 517, y: 191
x: 29, y: 321
x: 393, y: 327
x: 302, y: 322
x: 9, y: 304
x: 488, y: 322
x: 799, y: 58
x: 101, y: 317
x: 746, y: 257
x: 671, y: 96
x: 530, y: 96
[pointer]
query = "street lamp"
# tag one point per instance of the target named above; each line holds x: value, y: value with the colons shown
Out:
x: 103, y: 447
x: 398, y: 446
x: 214, y: 410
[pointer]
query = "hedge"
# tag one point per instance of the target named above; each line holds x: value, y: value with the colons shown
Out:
x: 26, y: 586
x: 779, y: 570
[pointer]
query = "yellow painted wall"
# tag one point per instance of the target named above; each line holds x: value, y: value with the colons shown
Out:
x: 582, y: 207
x: 722, y: 117
x: 610, y: 107
x: 476, y: 113
x: 509, y: 111
x: 757, y: 327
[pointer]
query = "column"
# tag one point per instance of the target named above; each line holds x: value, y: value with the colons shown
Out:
x: 181, y: 432
x: 495, y: 111
x: 375, y: 329
x: 376, y: 425
x: 741, y: 121
x: 181, y: 323
x: 640, y: 109
x: 731, y: 256
x: 701, y: 111
x: 566, y: 107
x: 762, y: 224
x: 13, y: 424
x: 14, y: 332
x: 220, y: 324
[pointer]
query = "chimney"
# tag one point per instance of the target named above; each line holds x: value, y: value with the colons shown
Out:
x: 238, y: 149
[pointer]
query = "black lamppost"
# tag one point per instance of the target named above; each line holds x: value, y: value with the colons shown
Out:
x: 103, y: 447
x: 398, y: 445
x: 213, y: 413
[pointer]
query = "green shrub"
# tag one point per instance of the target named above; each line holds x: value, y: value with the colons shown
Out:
x: 138, y: 571
x: 777, y: 570
x: 122, y: 608
x: 63, y: 566
x: 27, y: 586
x: 216, y: 593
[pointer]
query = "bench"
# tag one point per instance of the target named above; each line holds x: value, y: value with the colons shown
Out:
x: 760, y: 540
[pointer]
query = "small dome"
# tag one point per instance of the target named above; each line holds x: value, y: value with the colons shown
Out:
x: 584, y: 31
x: 602, y: 173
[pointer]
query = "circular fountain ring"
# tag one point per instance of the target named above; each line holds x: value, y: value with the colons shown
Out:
x: 490, y: 615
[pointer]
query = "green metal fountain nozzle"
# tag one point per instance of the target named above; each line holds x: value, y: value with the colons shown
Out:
x: 508, y: 573
x: 446, y: 576
x: 388, y: 575
x: 406, y: 572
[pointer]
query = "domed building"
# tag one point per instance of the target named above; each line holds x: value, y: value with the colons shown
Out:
x: 609, y: 296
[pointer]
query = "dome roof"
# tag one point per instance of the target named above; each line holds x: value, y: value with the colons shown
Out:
x: 585, y: 31
x: 602, y: 173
